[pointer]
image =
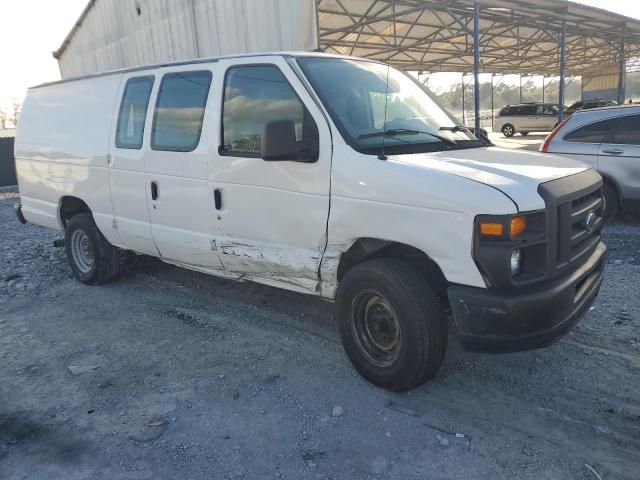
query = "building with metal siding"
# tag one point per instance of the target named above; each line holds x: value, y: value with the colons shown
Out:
x: 112, y: 34
x: 603, y: 86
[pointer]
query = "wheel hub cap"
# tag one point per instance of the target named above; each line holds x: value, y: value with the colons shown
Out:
x: 82, y: 251
x: 376, y: 328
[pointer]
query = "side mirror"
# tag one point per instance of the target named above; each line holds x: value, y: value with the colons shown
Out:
x: 279, y: 143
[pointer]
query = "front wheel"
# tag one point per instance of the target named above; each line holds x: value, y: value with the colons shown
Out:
x: 391, y: 324
x: 508, y: 130
x: 92, y: 258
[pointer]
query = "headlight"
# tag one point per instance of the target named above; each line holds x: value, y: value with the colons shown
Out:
x: 501, y: 243
x: 516, y: 261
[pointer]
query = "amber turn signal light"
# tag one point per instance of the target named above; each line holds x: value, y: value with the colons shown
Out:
x: 518, y: 225
x: 490, y: 229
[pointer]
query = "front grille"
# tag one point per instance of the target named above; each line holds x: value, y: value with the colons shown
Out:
x: 570, y: 202
x: 575, y: 238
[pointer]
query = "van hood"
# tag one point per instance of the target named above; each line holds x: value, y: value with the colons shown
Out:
x: 515, y: 173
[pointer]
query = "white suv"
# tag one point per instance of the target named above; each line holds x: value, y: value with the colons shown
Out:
x: 331, y: 176
x: 527, y: 117
x: 608, y: 139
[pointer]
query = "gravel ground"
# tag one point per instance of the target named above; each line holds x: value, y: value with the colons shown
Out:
x: 188, y: 376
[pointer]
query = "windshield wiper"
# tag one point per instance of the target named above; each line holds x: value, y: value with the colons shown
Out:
x: 406, y: 131
x: 455, y: 129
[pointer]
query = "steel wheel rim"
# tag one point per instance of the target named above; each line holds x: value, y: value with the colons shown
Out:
x: 82, y: 251
x: 376, y: 328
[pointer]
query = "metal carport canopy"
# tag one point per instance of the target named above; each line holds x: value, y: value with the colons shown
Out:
x: 548, y: 37
x: 515, y: 36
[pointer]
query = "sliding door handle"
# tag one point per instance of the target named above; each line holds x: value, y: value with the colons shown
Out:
x: 217, y: 198
x: 154, y: 190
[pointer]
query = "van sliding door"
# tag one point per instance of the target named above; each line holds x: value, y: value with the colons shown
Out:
x: 180, y: 202
x: 126, y: 164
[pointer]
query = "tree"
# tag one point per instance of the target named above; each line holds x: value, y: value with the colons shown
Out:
x: 15, y: 114
x: 9, y: 116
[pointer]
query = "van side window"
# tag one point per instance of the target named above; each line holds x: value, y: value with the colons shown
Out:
x: 255, y: 96
x: 177, y: 121
x: 627, y: 131
x: 592, y: 133
x: 133, y: 112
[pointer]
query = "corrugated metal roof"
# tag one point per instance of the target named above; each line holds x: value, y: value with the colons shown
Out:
x: 517, y: 36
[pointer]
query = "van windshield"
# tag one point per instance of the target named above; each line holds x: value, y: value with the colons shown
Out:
x: 356, y: 95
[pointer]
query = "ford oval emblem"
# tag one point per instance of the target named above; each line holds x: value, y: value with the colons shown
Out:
x: 590, y: 221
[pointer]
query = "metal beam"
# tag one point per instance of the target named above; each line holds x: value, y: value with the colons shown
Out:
x: 519, y: 35
x: 621, y: 71
x: 476, y: 66
x: 563, y: 47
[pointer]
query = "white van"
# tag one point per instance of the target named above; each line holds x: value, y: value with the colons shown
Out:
x: 527, y: 117
x: 326, y: 175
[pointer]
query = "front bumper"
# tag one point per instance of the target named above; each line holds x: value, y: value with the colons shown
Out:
x: 501, y: 321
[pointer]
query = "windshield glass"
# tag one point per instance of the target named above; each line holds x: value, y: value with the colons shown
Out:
x: 356, y: 95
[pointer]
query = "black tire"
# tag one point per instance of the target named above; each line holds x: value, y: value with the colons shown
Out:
x: 611, y: 202
x: 419, y: 317
x: 98, y: 262
x: 524, y: 134
x: 508, y: 130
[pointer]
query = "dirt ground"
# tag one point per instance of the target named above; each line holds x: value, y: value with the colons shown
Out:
x: 180, y: 375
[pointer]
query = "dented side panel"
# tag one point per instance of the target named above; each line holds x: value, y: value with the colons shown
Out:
x: 428, y: 209
x: 271, y: 223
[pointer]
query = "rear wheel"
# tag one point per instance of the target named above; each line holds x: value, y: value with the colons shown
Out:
x: 92, y: 258
x: 391, y: 324
x: 508, y: 130
x: 611, y: 202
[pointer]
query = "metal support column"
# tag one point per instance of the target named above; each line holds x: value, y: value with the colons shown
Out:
x: 464, y: 119
x: 492, y: 114
x: 520, y: 78
x: 563, y: 48
x: 621, y: 71
x: 476, y: 65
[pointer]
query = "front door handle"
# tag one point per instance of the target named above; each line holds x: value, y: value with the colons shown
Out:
x: 154, y: 190
x: 613, y: 151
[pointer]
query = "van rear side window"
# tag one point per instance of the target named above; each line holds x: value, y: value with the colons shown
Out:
x: 133, y: 111
x: 177, y: 121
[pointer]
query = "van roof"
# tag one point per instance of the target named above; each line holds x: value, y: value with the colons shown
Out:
x: 199, y: 61
x: 523, y: 104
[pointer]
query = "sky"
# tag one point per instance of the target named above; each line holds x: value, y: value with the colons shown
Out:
x: 31, y: 29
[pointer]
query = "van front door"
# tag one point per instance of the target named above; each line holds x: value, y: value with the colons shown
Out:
x: 179, y: 199
x: 271, y: 216
x: 126, y: 165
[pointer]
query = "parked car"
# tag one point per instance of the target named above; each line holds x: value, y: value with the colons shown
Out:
x: 527, y: 117
x: 588, y: 105
x: 482, y: 135
x: 608, y: 139
x: 331, y: 176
